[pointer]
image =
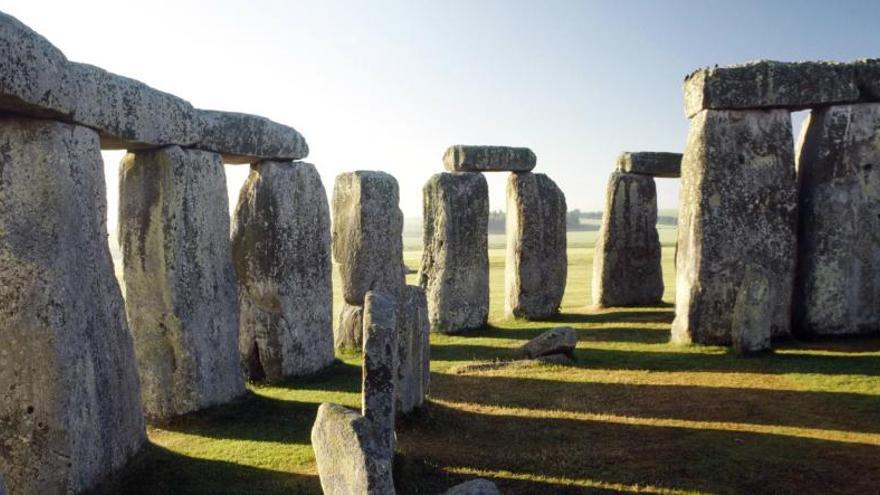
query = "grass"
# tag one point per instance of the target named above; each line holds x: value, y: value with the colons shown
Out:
x: 636, y: 415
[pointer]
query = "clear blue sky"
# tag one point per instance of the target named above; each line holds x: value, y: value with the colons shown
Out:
x: 388, y: 85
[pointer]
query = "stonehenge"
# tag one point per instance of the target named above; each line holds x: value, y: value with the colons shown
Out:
x: 469, y: 158
x: 414, y: 350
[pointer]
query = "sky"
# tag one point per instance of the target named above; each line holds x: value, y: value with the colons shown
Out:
x: 388, y: 85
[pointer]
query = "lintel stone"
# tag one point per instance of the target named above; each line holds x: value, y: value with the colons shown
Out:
x: 653, y: 163
x: 470, y: 158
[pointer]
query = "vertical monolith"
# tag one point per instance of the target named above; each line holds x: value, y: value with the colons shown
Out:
x: 349, y: 331
x: 414, y: 350
x: 378, y: 395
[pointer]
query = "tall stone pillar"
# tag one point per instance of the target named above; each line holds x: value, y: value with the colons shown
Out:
x: 414, y: 354
x: 537, y: 263
x: 837, y: 289
x: 737, y: 219
x: 281, y: 248
x: 378, y: 390
x: 455, y: 261
x: 70, y: 407
x: 179, y: 279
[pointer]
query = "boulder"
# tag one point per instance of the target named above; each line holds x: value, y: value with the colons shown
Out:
x: 468, y: 158
x: 378, y: 390
x: 478, y: 486
x: 626, y: 262
x: 281, y: 251
x: 350, y: 457
x: 537, y: 262
x: 653, y: 163
x: 368, y: 234
x: 455, y: 260
x: 559, y: 340
x: 737, y: 221
x: 245, y: 138
x: 837, y: 287
x: 70, y: 406
x: 414, y: 350
x: 179, y: 279
x: 349, y: 332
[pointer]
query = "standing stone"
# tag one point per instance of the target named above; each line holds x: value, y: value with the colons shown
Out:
x: 281, y: 248
x: 737, y: 222
x: 455, y: 261
x: 465, y: 158
x: 70, y: 407
x: 627, y: 268
x: 349, y: 332
x: 179, y: 279
x: 837, y: 287
x: 752, y: 318
x: 380, y: 366
x: 414, y: 350
x: 537, y: 263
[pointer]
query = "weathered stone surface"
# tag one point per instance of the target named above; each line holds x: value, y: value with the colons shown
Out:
x: 414, y: 350
x: 470, y: 158
x: 837, y: 287
x: 737, y: 221
x: 455, y: 260
x: 349, y: 332
x: 378, y: 390
x: 2, y: 486
x: 554, y: 341
x: 350, y: 457
x: 478, y: 486
x: 653, y: 163
x: 626, y: 264
x: 70, y: 408
x: 868, y: 78
x: 281, y: 250
x: 769, y: 84
x: 537, y: 262
x: 752, y: 316
x: 368, y: 234
x: 245, y: 138
x: 181, y: 295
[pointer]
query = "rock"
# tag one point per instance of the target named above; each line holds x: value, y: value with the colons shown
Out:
x: 467, y: 158
x: 653, y: 163
x: 737, y: 221
x: 769, y: 84
x: 368, y: 234
x: 537, y: 263
x: 455, y: 260
x: 244, y: 138
x: 349, y: 333
x: 414, y: 350
x: 837, y: 287
x: 752, y: 319
x: 179, y: 279
x: 281, y: 251
x: 350, y: 458
x: 554, y: 341
x: 380, y: 366
x: 868, y: 78
x: 626, y: 265
x: 478, y: 486
x: 70, y: 407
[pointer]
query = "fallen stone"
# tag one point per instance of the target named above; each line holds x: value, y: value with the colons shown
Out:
x: 537, y: 262
x: 281, y: 251
x: 349, y: 332
x: 350, y: 457
x: 455, y: 260
x: 868, y: 78
x: 478, y: 486
x: 368, y: 234
x: 737, y: 221
x: 513, y: 364
x: 554, y: 341
x: 244, y: 138
x: 378, y: 391
x: 467, y: 158
x: 770, y: 84
x: 180, y: 287
x: 626, y: 262
x: 837, y: 287
x: 70, y: 407
x: 414, y: 350
x: 653, y: 163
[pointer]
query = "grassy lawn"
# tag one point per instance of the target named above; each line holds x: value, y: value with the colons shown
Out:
x: 635, y: 415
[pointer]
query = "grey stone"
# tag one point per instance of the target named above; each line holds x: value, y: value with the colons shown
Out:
x: 350, y: 457
x: 245, y: 138
x: 378, y: 390
x: 626, y: 262
x: 653, y: 163
x: 554, y: 341
x: 368, y: 234
x: 414, y: 350
x: 455, y: 260
x: 349, y: 332
x: 737, y: 216
x: 281, y: 251
x: 179, y: 279
x: 471, y: 158
x: 769, y: 84
x: 70, y: 407
x: 536, y: 267
x: 478, y: 486
x: 752, y: 316
x: 868, y: 78
x: 837, y: 287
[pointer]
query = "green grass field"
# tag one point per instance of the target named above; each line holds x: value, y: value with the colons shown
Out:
x: 636, y: 415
